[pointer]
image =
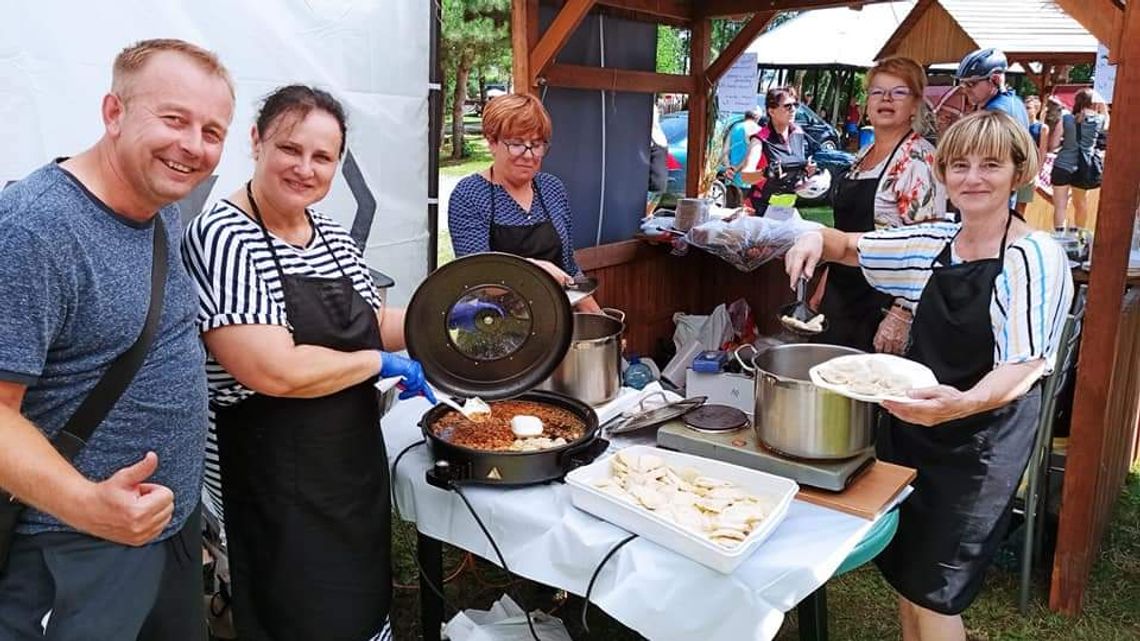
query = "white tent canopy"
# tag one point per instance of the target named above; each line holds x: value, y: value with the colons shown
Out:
x: 831, y: 37
x: 55, y: 66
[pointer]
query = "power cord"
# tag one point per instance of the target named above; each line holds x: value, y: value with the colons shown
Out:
x: 498, y: 553
x: 438, y: 590
x: 597, y: 571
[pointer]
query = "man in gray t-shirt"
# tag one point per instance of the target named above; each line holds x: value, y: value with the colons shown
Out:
x: 110, y: 541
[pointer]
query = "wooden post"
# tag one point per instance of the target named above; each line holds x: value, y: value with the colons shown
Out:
x: 1089, y: 463
x: 524, y: 33
x: 699, y: 126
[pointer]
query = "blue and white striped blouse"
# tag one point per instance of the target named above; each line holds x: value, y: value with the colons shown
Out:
x: 1031, y: 296
x: 469, y: 215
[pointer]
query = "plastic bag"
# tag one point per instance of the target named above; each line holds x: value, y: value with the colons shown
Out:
x: 505, y: 621
x: 749, y: 241
x: 717, y: 329
x: 687, y: 328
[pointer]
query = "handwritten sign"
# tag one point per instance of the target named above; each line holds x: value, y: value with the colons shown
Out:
x: 736, y: 91
x: 1104, y: 76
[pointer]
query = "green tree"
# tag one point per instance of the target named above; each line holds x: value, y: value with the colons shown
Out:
x: 671, y: 50
x: 474, y: 35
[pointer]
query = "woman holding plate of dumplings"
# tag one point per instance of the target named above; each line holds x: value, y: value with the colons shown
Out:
x: 990, y: 295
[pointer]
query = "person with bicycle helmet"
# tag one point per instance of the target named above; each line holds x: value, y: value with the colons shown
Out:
x: 981, y: 78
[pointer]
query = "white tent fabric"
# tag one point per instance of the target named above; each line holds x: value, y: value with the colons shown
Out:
x: 55, y: 65
x: 831, y: 37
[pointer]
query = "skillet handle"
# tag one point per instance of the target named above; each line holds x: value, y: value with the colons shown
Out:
x: 576, y: 456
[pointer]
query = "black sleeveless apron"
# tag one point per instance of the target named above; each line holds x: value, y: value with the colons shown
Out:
x: 853, y: 308
x: 969, y: 468
x: 305, y: 486
x: 539, y: 241
x: 787, y: 165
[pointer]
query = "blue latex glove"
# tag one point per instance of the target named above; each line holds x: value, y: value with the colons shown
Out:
x: 464, y: 315
x: 410, y: 371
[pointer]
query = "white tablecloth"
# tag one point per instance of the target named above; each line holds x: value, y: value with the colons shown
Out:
x: 658, y: 593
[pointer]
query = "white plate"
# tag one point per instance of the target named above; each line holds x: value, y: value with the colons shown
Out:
x: 918, y: 374
x: 775, y: 493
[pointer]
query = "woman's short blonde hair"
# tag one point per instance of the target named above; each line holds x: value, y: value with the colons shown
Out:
x: 516, y: 115
x: 989, y: 134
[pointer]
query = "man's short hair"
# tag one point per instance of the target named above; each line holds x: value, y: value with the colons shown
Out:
x: 134, y: 58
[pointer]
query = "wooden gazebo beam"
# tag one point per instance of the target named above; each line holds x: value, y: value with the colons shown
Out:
x: 569, y: 17
x: 699, y: 49
x: 739, y: 43
x: 585, y: 77
x: 677, y: 13
x: 727, y: 8
x: 524, y: 34
x: 1091, y: 463
x: 1102, y: 18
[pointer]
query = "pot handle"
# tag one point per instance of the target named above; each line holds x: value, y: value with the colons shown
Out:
x: 614, y: 312
x: 745, y: 366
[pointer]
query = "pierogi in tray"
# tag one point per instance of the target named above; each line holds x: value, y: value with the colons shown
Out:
x: 716, y: 509
x: 872, y: 377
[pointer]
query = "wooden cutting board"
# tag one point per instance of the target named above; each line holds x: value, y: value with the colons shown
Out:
x: 867, y: 494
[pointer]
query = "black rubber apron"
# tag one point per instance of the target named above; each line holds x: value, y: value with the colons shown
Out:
x: 853, y: 308
x: 968, y: 469
x: 539, y: 241
x: 305, y: 486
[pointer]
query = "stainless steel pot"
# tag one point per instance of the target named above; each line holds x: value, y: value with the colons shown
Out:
x: 591, y: 369
x: 795, y: 417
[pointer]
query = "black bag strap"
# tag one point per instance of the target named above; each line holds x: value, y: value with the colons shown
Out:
x: 79, y: 428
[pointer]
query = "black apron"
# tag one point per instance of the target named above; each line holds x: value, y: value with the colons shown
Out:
x: 539, y: 241
x: 853, y: 308
x: 787, y: 165
x: 968, y: 469
x: 305, y: 486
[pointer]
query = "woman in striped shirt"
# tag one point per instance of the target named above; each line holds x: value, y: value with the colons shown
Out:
x: 296, y: 332
x: 990, y: 297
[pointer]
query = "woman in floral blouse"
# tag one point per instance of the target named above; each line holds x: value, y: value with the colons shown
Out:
x: 891, y: 184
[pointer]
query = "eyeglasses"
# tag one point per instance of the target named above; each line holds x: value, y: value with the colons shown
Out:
x: 789, y: 106
x: 537, y: 149
x: 895, y: 93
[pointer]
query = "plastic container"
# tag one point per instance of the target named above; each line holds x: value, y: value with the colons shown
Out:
x: 866, y: 137
x: 638, y: 374
x: 775, y: 491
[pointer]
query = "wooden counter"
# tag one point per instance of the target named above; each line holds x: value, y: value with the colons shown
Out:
x: 650, y: 284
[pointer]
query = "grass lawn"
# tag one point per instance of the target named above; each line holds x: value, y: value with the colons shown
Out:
x: 822, y: 215
x: 861, y: 606
x: 479, y: 158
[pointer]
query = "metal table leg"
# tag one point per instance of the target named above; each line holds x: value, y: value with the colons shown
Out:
x: 429, y: 551
x: 812, y: 614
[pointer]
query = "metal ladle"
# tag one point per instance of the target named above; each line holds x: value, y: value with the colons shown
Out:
x: 800, y: 311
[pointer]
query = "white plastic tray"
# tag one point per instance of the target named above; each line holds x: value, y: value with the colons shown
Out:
x: 918, y: 374
x: 776, y: 492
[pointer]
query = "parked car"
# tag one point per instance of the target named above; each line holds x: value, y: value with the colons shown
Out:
x: 676, y: 128
x: 820, y: 132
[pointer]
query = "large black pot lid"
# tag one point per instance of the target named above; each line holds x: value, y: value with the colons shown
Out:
x: 490, y: 325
